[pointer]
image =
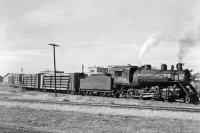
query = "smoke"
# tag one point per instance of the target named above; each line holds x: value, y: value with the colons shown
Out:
x: 152, y: 41
x: 188, y: 41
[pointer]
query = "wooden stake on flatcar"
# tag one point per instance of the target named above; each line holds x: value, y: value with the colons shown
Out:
x: 54, y: 45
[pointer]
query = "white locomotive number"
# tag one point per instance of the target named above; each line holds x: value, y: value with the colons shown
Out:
x: 121, y: 79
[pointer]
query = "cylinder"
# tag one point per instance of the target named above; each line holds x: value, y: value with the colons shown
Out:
x: 163, y: 67
x: 179, y: 66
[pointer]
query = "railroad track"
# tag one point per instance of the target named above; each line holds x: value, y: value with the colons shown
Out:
x: 118, y: 106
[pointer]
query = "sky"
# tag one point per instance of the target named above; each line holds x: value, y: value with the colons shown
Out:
x: 98, y: 32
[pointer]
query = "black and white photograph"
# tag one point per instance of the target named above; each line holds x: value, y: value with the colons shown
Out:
x: 99, y: 66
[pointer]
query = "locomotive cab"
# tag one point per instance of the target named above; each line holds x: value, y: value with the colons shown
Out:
x: 123, y: 74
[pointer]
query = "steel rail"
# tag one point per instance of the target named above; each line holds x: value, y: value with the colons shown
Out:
x: 119, y: 106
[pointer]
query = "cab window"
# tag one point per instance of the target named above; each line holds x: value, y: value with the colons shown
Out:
x: 118, y: 73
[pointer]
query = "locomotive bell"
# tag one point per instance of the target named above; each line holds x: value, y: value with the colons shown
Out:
x: 163, y: 67
x: 179, y: 66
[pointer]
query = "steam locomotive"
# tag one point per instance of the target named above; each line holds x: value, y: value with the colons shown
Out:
x: 143, y: 82
x: 129, y: 81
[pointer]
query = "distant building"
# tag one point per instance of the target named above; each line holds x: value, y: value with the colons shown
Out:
x: 97, y: 70
x: 6, y: 77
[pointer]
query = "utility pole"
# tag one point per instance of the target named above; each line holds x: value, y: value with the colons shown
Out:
x: 54, y: 45
x: 82, y: 68
x: 22, y: 79
x: 21, y: 70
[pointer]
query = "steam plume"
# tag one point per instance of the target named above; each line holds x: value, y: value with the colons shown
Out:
x: 153, y: 40
x: 185, y: 43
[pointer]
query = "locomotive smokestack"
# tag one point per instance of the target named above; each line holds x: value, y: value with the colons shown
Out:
x: 151, y: 42
x: 179, y: 66
x: 163, y: 67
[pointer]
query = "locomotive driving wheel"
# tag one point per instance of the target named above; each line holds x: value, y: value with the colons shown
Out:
x: 131, y: 93
x: 187, y: 99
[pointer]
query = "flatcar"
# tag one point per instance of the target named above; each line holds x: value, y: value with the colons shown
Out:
x: 32, y: 81
x: 66, y: 82
x: 15, y: 80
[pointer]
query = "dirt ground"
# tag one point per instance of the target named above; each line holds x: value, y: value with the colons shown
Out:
x: 19, y: 120
x: 22, y: 119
